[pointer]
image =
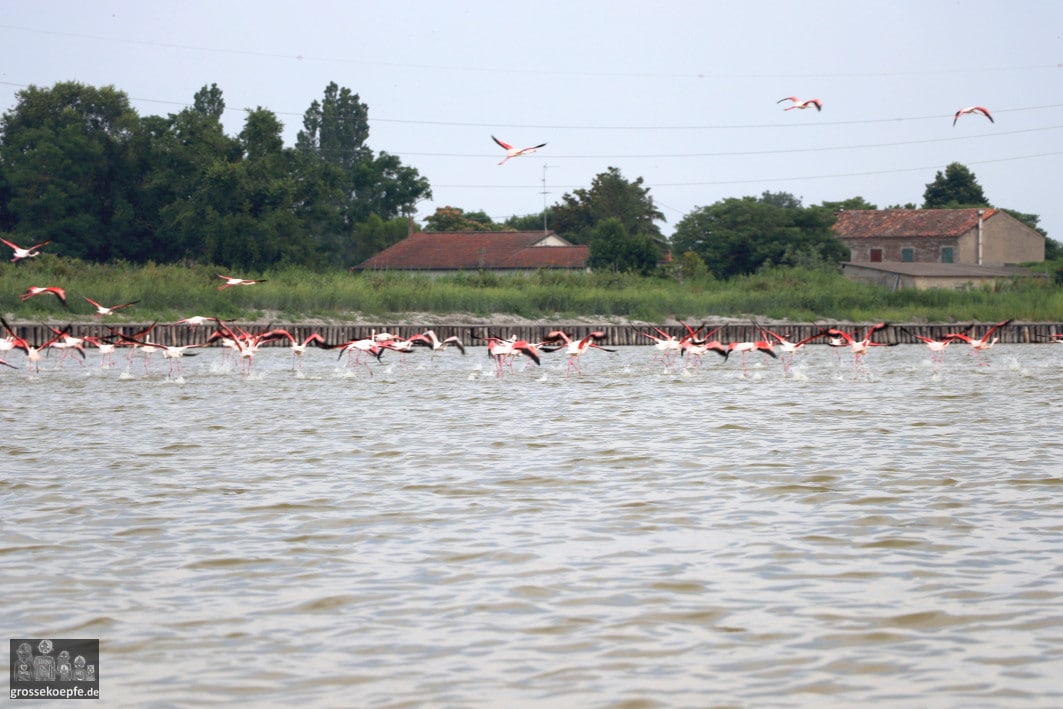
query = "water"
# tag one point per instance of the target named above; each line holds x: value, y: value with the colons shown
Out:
x: 432, y: 535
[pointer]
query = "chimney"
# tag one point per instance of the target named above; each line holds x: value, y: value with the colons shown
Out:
x: 981, y: 212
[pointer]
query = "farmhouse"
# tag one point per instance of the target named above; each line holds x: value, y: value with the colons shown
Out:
x: 500, y: 251
x: 937, y: 248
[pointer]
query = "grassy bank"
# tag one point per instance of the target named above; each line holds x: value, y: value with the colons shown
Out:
x: 170, y: 292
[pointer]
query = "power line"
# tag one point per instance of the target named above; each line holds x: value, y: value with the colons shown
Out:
x: 537, y: 71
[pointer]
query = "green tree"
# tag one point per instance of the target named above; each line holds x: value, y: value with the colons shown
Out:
x: 609, y: 196
x: 613, y: 248
x: 740, y: 235
x: 851, y: 204
x: 374, y: 235
x: 956, y: 188
x: 69, y: 168
x: 455, y: 219
x: 335, y: 131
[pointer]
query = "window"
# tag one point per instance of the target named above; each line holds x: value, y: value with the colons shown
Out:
x: 876, y: 255
x: 946, y: 254
x: 907, y: 255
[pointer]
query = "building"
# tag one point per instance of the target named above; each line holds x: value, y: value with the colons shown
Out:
x: 937, y: 248
x: 500, y: 251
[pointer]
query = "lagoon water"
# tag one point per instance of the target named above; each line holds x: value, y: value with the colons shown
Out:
x: 432, y: 535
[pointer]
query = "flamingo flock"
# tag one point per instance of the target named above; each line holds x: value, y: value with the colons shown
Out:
x: 241, y: 346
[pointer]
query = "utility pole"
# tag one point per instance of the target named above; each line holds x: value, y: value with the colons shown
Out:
x: 544, y: 193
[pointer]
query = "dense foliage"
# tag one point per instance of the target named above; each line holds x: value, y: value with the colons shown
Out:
x: 80, y: 167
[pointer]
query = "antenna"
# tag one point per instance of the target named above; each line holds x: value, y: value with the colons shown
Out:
x: 544, y: 193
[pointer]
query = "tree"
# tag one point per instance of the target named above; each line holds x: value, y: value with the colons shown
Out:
x: 609, y: 196
x: 956, y: 188
x: 740, y: 235
x: 613, y: 248
x: 69, y: 168
x: 851, y: 204
x: 455, y: 219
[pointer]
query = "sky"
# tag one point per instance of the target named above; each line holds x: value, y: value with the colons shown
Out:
x: 681, y: 94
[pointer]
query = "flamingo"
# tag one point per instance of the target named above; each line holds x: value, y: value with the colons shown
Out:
x: 299, y: 348
x: 754, y: 346
x: 665, y: 344
x: 431, y: 340
x: 137, y: 339
x: 697, y: 347
x: 512, y: 152
x: 39, y: 290
x: 359, y: 348
x: 67, y: 342
x: 21, y: 253
x: 972, y: 109
x: 576, y: 349
x: 103, y: 310
x: 33, y: 353
x: 981, y: 344
x: 174, y: 353
x: 231, y: 281
x: 505, y: 350
x: 860, y: 347
x: 193, y: 322
x: 789, y: 348
x: 798, y: 103
x: 107, y: 350
x: 937, y: 347
x: 245, y: 343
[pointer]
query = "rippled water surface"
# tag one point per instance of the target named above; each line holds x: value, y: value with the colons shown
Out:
x: 432, y: 535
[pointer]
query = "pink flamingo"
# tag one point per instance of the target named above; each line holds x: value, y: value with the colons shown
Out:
x: 764, y: 346
x: 39, y: 290
x: 980, y: 345
x: 789, y: 349
x: 431, y: 340
x: 860, y: 348
x: 576, y: 349
x: 972, y: 109
x: 103, y: 310
x: 21, y: 253
x: 512, y: 152
x: 299, y: 348
x: 231, y: 281
x: 33, y: 352
x: 798, y: 103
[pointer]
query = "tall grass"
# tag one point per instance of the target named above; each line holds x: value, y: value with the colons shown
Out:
x: 169, y: 292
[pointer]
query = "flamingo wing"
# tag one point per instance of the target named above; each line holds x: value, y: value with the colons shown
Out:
x: 507, y: 146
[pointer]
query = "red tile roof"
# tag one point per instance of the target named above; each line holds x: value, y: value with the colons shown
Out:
x: 877, y: 223
x: 471, y: 251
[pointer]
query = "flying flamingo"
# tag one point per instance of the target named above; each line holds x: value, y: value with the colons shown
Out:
x: 103, y: 310
x: 972, y: 109
x: 174, y: 353
x: 231, y: 281
x: 506, y: 350
x: 860, y: 347
x: 359, y: 349
x: 798, y: 103
x: 135, y: 341
x: 33, y: 352
x: 431, y: 340
x: 106, y: 348
x: 67, y: 342
x: 697, y: 347
x: 21, y: 253
x: 789, y: 348
x: 38, y: 290
x: 299, y: 348
x: 667, y: 346
x: 764, y: 346
x: 576, y: 349
x: 512, y: 152
x: 937, y: 347
x: 981, y: 344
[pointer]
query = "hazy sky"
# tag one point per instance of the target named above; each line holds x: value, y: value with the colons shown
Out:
x: 682, y: 94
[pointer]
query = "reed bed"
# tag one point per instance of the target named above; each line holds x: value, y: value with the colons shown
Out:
x: 167, y: 292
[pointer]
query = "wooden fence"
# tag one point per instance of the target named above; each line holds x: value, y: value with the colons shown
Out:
x: 900, y: 333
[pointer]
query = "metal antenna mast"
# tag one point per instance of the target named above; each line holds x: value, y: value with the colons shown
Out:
x: 544, y: 193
